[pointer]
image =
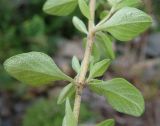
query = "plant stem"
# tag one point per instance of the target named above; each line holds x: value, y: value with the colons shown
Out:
x: 85, y: 63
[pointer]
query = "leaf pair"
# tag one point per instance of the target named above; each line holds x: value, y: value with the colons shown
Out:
x: 78, y: 23
x: 65, y: 7
x: 34, y: 68
x: 121, y: 95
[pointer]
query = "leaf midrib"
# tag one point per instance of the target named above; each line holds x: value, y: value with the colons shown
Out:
x: 111, y: 26
x: 29, y: 70
x: 120, y: 96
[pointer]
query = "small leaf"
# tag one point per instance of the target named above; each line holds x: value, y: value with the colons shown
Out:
x: 69, y: 119
x: 99, y: 68
x: 109, y: 122
x: 67, y: 91
x: 103, y: 14
x: 79, y: 25
x: 95, y: 52
x: 75, y: 64
x: 127, y: 23
x: 107, y: 44
x: 59, y: 7
x: 84, y: 8
x: 34, y: 68
x: 118, y: 4
x: 121, y: 95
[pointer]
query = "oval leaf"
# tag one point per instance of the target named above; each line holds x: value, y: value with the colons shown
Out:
x: 84, y: 8
x: 79, y: 25
x: 99, y: 68
x: 127, y: 23
x: 67, y: 91
x: 121, y: 95
x: 34, y: 68
x: 59, y: 7
x: 75, y: 64
x: 109, y: 122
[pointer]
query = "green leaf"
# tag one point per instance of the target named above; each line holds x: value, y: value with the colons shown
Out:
x: 34, y: 68
x: 95, y: 52
x: 59, y: 7
x: 118, y: 4
x: 84, y: 8
x: 69, y: 119
x: 114, y: 2
x: 75, y: 64
x: 67, y: 91
x: 121, y: 95
x: 127, y: 23
x: 99, y: 68
x: 79, y: 25
x: 104, y: 14
x: 95, y: 81
x: 107, y: 44
x: 109, y: 122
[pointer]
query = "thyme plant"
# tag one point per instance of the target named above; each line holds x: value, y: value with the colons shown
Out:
x: 123, y: 22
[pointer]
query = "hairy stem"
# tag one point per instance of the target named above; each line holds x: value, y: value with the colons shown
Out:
x: 85, y: 63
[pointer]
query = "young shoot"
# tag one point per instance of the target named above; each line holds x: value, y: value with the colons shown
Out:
x: 123, y: 22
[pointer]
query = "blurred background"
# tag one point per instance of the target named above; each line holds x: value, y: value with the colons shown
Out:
x: 24, y: 27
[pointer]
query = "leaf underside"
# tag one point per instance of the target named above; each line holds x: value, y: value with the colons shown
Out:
x: 121, y: 95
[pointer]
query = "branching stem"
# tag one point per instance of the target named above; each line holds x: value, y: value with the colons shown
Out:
x: 85, y: 63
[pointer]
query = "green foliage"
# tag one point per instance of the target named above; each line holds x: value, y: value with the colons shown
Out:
x: 103, y: 14
x: 123, y: 22
x: 75, y: 64
x: 99, y: 68
x: 84, y: 8
x: 121, y: 95
x: 59, y: 7
x: 66, y: 92
x: 34, y: 68
x: 117, y: 4
x: 69, y: 119
x: 34, y: 27
x: 109, y: 122
x: 126, y: 23
x: 79, y: 25
x: 106, y: 45
x: 24, y: 28
x: 46, y: 112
